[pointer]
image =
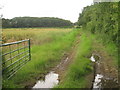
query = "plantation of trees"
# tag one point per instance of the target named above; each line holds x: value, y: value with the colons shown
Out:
x: 25, y: 22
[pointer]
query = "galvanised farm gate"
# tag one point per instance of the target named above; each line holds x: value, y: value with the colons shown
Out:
x: 14, y: 56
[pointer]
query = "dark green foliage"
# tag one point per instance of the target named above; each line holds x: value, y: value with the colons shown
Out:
x: 101, y: 19
x: 119, y: 41
x: 6, y: 23
x: 21, y: 22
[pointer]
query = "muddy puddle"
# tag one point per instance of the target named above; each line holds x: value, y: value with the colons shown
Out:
x: 95, y: 58
x: 92, y: 58
x: 51, y: 80
x: 97, y: 77
x: 104, y: 77
x: 97, y: 82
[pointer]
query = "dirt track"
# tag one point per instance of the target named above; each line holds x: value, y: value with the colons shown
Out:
x: 104, y: 66
x: 67, y: 59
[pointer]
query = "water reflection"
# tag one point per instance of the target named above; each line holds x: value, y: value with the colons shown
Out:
x: 97, y: 82
x: 92, y: 58
x: 51, y: 79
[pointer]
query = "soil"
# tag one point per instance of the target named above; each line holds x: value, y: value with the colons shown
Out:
x: 104, y: 66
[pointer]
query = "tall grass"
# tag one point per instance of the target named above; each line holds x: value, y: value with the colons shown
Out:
x: 100, y: 44
x: 106, y: 47
x: 37, y: 35
x: 44, y: 57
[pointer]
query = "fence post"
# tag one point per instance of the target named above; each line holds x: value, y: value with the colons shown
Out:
x: 29, y: 50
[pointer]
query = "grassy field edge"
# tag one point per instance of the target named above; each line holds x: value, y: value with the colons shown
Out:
x: 44, y: 57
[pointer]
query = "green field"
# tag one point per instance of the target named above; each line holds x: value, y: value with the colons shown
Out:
x: 63, y: 48
x: 48, y: 47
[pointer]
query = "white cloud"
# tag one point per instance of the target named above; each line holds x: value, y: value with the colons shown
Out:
x: 66, y: 9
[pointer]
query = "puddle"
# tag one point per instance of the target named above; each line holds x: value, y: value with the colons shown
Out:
x: 51, y: 80
x: 97, y: 82
x: 98, y: 77
x: 92, y: 58
x: 103, y: 76
x: 66, y: 59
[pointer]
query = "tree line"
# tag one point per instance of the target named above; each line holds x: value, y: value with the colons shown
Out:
x: 28, y: 22
x: 102, y: 19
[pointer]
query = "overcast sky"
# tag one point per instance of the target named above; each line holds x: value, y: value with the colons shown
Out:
x: 65, y: 9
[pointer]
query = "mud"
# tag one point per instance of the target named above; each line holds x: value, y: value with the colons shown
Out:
x: 105, y: 75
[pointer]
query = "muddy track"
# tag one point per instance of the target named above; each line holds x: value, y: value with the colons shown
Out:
x: 67, y: 60
x: 105, y: 70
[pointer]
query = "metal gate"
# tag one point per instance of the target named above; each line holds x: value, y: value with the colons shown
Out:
x: 14, y: 56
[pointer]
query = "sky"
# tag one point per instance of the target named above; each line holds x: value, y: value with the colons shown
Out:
x: 65, y: 9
